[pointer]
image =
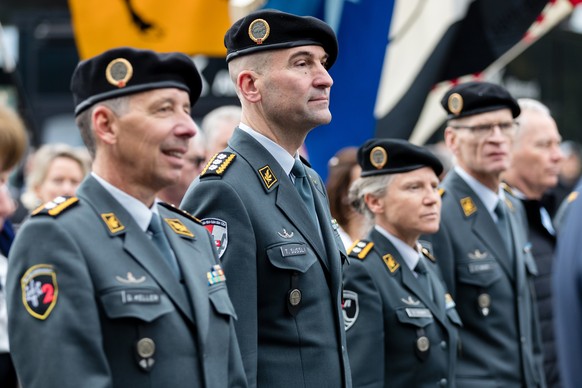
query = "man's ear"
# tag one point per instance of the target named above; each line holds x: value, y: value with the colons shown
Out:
x: 375, y: 204
x: 247, y: 84
x: 103, y: 120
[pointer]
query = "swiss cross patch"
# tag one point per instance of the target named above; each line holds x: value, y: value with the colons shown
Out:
x: 219, y: 232
x: 39, y: 290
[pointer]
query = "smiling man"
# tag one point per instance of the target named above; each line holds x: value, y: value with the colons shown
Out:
x: 268, y: 210
x: 482, y: 244
x: 110, y: 288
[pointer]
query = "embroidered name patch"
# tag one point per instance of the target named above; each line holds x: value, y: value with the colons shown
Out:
x: 293, y: 250
x: 140, y: 297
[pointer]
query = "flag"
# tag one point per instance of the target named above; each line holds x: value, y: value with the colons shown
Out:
x: 190, y: 26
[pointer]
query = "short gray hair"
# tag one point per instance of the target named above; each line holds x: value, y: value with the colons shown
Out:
x: 373, y: 185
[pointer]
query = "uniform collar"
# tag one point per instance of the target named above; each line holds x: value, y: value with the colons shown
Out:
x: 488, y: 197
x: 409, y: 254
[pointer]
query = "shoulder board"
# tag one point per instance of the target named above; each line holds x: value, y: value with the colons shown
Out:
x: 180, y: 211
x: 218, y: 164
x: 507, y: 188
x: 360, y: 249
x: 572, y: 196
x: 55, y: 207
x: 442, y: 191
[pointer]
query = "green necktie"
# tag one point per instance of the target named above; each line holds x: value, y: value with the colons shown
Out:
x: 303, y: 188
x: 161, y: 241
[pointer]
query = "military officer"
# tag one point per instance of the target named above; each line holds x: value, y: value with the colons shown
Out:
x: 482, y: 244
x: 393, y: 290
x: 110, y: 288
x: 268, y: 211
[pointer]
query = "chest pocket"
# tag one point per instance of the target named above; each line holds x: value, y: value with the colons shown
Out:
x: 220, y: 301
x: 293, y: 256
x: 146, y: 304
x: 415, y: 316
x: 479, y: 272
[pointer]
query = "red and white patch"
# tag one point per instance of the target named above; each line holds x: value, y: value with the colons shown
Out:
x: 39, y: 290
x: 219, y: 231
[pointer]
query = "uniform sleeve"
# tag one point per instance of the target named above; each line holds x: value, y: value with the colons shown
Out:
x: 365, y: 336
x: 217, y: 199
x: 54, y: 327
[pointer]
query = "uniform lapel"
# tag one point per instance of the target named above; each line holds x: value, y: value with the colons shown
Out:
x: 187, y: 251
x: 135, y: 241
x: 407, y: 277
x: 482, y: 225
x: 287, y: 198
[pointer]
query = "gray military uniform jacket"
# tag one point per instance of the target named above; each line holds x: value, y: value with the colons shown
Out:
x: 93, y: 304
x: 284, y: 279
x: 500, y: 338
x: 398, y: 336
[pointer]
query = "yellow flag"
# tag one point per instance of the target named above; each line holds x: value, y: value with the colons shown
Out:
x: 189, y: 26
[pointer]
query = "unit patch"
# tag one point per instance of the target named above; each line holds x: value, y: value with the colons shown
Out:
x: 179, y: 227
x: 219, y: 231
x: 39, y: 290
x: 350, y: 308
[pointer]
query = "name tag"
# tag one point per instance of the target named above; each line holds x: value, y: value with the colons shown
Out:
x: 293, y: 250
x: 140, y: 297
x: 480, y: 267
x: 418, y: 313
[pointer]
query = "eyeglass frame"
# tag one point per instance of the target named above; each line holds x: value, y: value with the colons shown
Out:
x: 484, y: 130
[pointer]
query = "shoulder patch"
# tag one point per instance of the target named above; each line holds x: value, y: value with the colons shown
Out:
x: 390, y: 262
x: 572, y: 196
x: 218, y: 164
x: 39, y: 290
x: 442, y: 191
x: 180, y: 211
x: 55, y: 207
x: 360, y: 249
x: 468, y: 206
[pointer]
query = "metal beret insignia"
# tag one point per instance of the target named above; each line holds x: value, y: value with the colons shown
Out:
x: 118, y: 72
x: 455, y: 103
x: 378, y: 157
x: 259, y: 30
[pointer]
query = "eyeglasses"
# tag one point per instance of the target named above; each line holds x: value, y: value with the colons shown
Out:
x: 482, y: 130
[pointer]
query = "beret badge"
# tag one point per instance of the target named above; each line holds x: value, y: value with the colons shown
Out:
x: 118, y: 72
x: 378, y: 157
x: 259, y: 30
x: 455, y: 103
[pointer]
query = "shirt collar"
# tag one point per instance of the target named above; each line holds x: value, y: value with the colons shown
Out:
x: 409, y: 254
x: 279, y: 153
x: 140, y: 212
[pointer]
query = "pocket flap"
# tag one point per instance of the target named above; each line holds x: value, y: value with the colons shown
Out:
x: 146, y: 304
x: 220, y: 300
x: 292, y: 256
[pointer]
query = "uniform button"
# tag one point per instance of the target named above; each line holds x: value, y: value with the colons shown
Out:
x: 443, y: 382
x: 443, y: 345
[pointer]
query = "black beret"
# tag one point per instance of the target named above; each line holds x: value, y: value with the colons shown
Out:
x: 478, y: 97
x: 269, y: 29
x: 393, y: 156
x: 122, y: 71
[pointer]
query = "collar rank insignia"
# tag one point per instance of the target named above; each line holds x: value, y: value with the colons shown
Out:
x: 572, y: 196
x: 39, y: 290
x: 391, y: 263
x: 55, y: 207
x: 269, y: 179
x: 215, y: 275
x: 218, y: 164
x: 468, y: 206
x: 360, y: 249
x: 509, y: 204
x: 130, y: 279
x: 478, y: 255
x: 178, y: 227
x: 115, y: 226
x: 427, y: 254
x: 441, y: 191
x: 449, y: 302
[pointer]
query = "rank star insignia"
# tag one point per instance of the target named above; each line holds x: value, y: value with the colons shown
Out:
x: 39, y: 290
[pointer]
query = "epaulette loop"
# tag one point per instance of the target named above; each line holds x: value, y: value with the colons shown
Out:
x: 55, y: 207
x: 360, y: 249
x: 218, y: 164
